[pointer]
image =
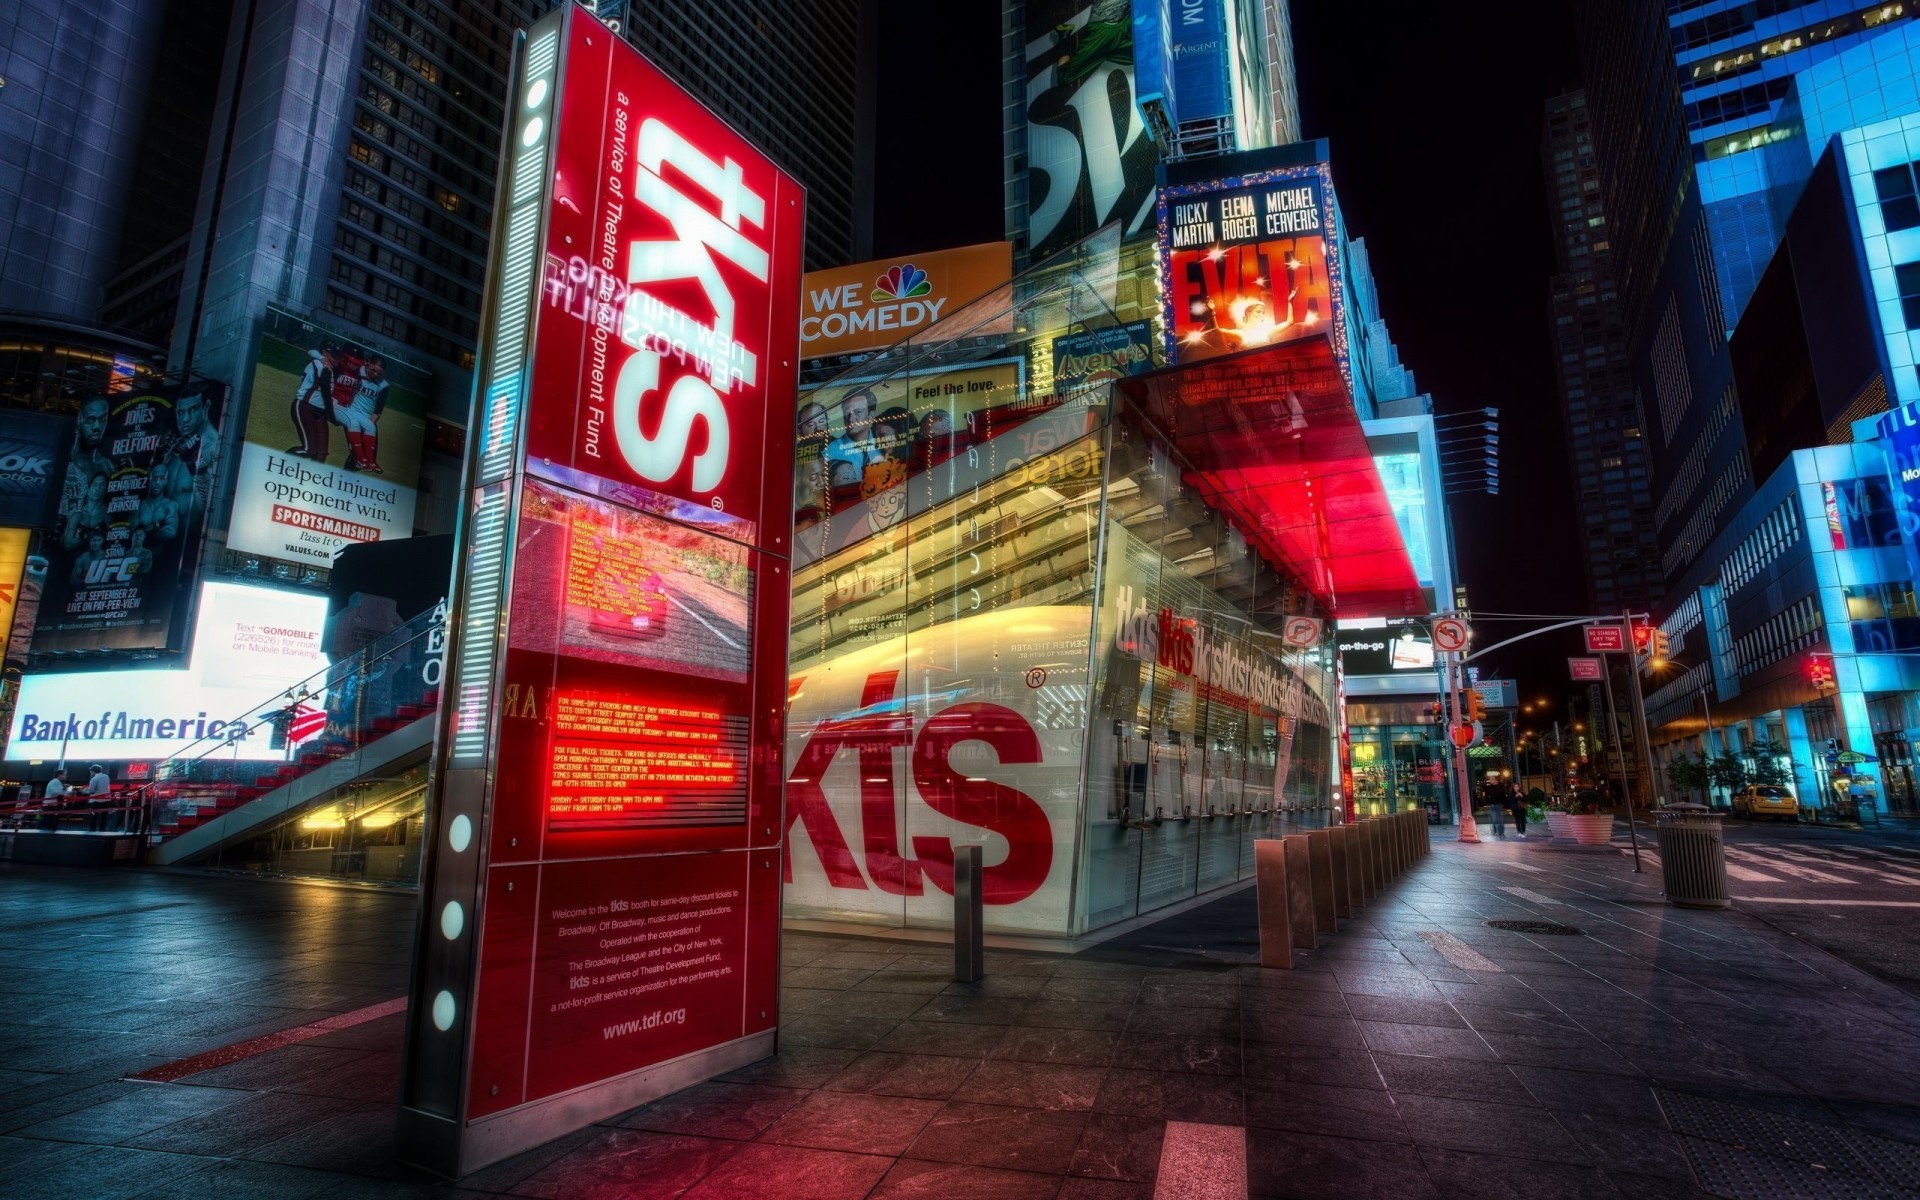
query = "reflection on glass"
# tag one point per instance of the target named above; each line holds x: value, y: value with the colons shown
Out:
x: 1015, y: 626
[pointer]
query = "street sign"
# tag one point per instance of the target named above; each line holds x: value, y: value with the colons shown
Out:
x: 1585, y: 668
x: 1498, y: 693
x: 1450, y: 634
x: 1302, y: 632
x: 1605, y: 639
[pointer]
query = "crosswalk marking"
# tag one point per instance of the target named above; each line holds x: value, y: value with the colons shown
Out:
x: 1749, y: 875
x: 1530, y: 894
x: 1778, y: 862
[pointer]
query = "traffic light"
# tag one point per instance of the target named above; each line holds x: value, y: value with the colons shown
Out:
x: 1820, y: 672
x: 1642, y: 637
x: 1476, y: 705
x: 1660, y: 646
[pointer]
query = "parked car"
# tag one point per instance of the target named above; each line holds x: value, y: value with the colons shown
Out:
x: 1765, y: 800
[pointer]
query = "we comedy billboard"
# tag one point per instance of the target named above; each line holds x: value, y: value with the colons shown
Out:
x: 133, y: 501
x: 602, y: 887
x: 872, y: 305
x: 332, y: 449
x: 1249, y: 261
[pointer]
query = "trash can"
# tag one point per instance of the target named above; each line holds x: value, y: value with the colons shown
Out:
x: 1693, y: 860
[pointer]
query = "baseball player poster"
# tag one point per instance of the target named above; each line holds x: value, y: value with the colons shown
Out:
x: 332, y: 450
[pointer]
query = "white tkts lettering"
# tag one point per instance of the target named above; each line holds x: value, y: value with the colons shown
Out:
x: 657, y: 330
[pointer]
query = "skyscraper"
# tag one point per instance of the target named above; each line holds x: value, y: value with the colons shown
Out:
x: 1735, y: 65
x: 352, y: 174
x: 1607, y: 442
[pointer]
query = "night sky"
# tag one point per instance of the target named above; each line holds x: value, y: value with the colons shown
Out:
x: 1435, y: 140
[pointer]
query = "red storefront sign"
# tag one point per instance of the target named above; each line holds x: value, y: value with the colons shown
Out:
x: 617, y: 660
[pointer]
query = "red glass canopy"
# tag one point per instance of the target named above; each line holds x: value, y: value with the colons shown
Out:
x: 1271, y: 439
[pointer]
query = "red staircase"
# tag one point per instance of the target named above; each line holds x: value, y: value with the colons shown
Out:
x: 190, y: 805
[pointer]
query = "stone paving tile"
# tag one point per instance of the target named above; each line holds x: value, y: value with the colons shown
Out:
x: 1119, y: 1147
x: 1303, y: 1166
x: 737, y: 1111
x: 853, y: 1121
x: 1376, y: 1068
x: 990, y: 1135
x: 915, y: 1179
x: 616, y: 1164
x: 1050, y: 1086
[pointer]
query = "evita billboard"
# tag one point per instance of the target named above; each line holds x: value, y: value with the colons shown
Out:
x: 602, y: 892
x: 1250, y: 260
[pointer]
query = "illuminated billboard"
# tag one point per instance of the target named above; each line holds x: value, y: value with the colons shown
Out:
x: 1384, y: 646
x: 1089, y: 157
x: 872, y: 305
x: 29, y: 456
x: 133, y: 502
x: 603, y: 881
x: 249, y: 645
x: 332, y: 449
x: 1249, y: 261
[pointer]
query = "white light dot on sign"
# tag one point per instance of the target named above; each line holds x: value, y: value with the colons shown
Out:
x: 443, y: 1011
x: 531, y: 134
x: 460, y: 834
x: 452, y: 919
x: 537, y: 94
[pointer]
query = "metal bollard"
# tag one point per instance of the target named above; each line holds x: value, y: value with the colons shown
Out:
x: 969, y: 946
x: 1320, y: 852
x: 1300, y: 891
x: 1271, y: 898
x: 1345, y: 874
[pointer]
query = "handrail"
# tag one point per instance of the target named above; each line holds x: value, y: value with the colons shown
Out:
x: 354, y: 673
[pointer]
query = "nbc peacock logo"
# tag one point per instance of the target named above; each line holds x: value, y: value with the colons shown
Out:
x: 903, y: 282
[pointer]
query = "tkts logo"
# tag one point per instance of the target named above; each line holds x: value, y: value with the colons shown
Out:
x: 670, y: 293
x: 659, y: 331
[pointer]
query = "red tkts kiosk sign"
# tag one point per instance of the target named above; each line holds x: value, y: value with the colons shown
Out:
x: 600, y: 920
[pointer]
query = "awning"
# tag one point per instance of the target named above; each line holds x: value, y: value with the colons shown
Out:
x: 1271, y: 439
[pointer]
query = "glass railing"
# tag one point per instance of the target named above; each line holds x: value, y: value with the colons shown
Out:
x: 387, y: 685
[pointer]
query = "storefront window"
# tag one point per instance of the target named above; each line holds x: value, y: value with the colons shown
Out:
x: 1014, y: 626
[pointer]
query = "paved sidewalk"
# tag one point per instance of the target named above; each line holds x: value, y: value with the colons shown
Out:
x: 1420, y: 1053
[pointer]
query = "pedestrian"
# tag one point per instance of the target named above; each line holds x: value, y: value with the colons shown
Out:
x: 52, y: 798
x: 1497, y: 809
x: 1519, y: 810
x: 99, y: 795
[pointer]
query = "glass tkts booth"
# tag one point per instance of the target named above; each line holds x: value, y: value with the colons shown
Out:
x: 1030, y: 613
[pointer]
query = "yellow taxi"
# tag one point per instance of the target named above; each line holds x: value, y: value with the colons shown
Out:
x: 1765, y: 800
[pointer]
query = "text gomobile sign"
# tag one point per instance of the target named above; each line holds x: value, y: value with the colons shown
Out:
x: 603, y: 874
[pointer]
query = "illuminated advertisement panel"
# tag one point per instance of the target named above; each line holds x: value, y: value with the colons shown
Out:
x: 1090, y: 160
x: 1899, y: 430
x: 602, y: 907
x: 29, y: 454
x: 332, y: 449
x: 872, y: 305
x: 133, y: 500
x: 1249, y: 261
x: 249, y: 643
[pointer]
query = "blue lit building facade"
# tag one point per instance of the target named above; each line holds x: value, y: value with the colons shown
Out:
x: 1818, y: 564
x: 1736, y: 61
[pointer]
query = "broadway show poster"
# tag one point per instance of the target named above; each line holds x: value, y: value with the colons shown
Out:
x: 1246, y: 263
x: 1090, y: 158
x: 138, y: 478
x: 332, y: 450
x: 861, y: 440
x: 1083, y: 361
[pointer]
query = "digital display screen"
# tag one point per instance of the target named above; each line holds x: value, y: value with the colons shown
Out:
x: 646, y: 622
x: 621, y: 762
